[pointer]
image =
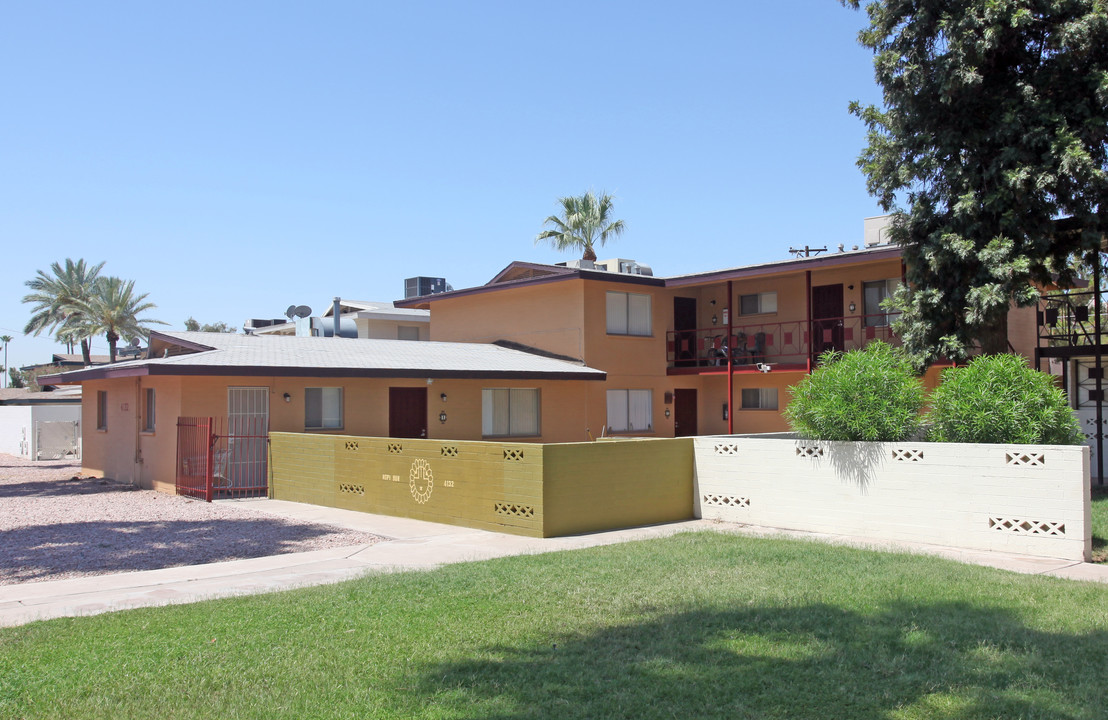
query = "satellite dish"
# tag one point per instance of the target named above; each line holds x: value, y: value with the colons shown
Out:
x: 302, y: 311
x: 290, y: 312
x: 135, y: 342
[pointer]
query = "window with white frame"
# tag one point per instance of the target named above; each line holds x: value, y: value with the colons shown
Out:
x: 873, y: 294
x: 759, y: 399
x: 758, y: 303
x: 630, y: 411
x: 322, y: 408
x: 628, y: 314
x: 148, y: 415
x: 510, y: 412
x: 101, y: 409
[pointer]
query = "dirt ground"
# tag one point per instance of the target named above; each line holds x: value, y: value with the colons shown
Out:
x: 56, y: 524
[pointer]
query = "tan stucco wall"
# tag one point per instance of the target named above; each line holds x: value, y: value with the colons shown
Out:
x: 548, y: 316
x: 127, y: 454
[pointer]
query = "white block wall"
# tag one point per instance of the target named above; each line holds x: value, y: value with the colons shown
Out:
x: 1032, y: 500
x: 16, y: 430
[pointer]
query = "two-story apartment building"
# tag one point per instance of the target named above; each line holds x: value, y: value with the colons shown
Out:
x: 540, y: 353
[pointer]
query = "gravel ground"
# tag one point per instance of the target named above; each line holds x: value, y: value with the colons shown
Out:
x: 55, y: 524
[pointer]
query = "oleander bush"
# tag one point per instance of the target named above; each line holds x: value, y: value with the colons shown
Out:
x: 869, y: 394
x: 1000, y: 399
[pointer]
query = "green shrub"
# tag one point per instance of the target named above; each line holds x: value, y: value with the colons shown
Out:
x: 999, y: 399
x: 869, y: 394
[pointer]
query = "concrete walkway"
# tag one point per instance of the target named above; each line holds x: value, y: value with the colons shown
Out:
x: 410, y: 545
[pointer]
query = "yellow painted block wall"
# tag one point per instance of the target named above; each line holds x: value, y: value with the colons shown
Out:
x: 492, y: 486
x: 615, y: 484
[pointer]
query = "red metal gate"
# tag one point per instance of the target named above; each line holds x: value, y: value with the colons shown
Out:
x: 212, y: 463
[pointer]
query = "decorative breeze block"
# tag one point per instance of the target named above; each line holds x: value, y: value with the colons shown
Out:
x: 514, y: 510
x: 1029, y: 459
x: 513, y: 454
x: 352, y: 489
x: 395, y: 448
x: 449, y: 451
x: 810, y: 451
x: 725, y: 501
x: 907, y: 455
x: 727, y: 448
x: 1020, y: 526
x: 352, y: 445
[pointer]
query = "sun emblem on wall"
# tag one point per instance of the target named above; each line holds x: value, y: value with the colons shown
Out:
x: 420, y: 480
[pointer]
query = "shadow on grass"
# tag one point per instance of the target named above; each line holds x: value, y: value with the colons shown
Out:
x: 812, y: 661
x: 39, y: 551
x: 1100, y: 524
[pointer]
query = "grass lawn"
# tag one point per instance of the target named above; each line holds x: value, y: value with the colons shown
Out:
x: 700, y: 625
x: 1100, y: 525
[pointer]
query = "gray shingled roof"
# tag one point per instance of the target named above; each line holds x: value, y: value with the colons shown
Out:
x: 233, y: 354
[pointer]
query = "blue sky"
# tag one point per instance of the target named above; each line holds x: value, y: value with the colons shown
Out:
x: 236, y: 158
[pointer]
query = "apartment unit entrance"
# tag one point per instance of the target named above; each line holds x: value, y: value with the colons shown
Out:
x: 408, y: 412
x: 684, y: 413
x: 827, y: 319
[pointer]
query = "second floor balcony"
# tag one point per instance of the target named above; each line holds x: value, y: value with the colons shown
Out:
x: 792, y: 345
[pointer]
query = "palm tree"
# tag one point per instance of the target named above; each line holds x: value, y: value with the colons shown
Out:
x: 586, y: 223
x: 5, y: 339
x: 114, y: 310
x: 59, y: 299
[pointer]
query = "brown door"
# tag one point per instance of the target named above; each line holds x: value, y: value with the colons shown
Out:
x: 827, y: 319
x: 684, y: 332
x: 408, y: 412
x: 684, y: 413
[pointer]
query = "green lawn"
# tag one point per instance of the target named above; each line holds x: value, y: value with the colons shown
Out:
x: 1100, y: 525
x: 697, y: 626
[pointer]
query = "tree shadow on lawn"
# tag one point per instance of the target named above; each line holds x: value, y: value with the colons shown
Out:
x: 37, y: 552
x: 812, y: 661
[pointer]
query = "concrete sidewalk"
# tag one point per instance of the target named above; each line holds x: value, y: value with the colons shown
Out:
x: 410, y: 545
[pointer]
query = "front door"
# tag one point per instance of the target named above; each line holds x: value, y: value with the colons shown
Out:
x: 242, y: 461
x: 684, y: 413
x: 684, y: 332
x: 827, y: 319
x: 408, y: 412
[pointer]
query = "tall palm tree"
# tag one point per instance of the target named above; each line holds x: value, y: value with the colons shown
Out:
x: 585, y: 224
x: 114, y: 310
x: 5, y: 339
x: 59, y: 299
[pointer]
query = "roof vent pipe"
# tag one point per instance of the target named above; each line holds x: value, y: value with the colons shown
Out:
x: 335, y: 312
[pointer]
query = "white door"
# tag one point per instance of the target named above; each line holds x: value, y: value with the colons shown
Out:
x: 243, y: 460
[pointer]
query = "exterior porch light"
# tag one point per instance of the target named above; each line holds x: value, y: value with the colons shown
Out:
x: 443, y: 397
x: 667, y: 412
x: 714, y: 319
x: 288, y: 398
x: 853, y: 307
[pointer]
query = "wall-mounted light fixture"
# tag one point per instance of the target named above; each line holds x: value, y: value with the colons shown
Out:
x: 712, y: 303
x: 714, y: 319
x: 667, y: 412
x: 724, y: 411
x: 849, y: 287
x: 430, y: 381
x: 288, y: 398
x: 442, y: 417
x: 443, y: 397
x: 853, y: 307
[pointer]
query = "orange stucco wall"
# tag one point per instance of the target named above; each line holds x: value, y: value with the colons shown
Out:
x: 127, y: 453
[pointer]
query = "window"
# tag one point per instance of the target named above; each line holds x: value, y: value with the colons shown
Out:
x: 758, y: 303
x: 628, y: 314
x: 630, y: 411
x: 322, y: 408
x: 759, y: 399
x: 101, y: 409
x: 510, y: 412
x: 873, y: 294
x: 148, y: 415
x: 407, y: 332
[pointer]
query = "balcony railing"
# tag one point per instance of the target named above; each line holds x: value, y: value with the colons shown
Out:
x: 780, y: 343
x: 1065, y: 320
